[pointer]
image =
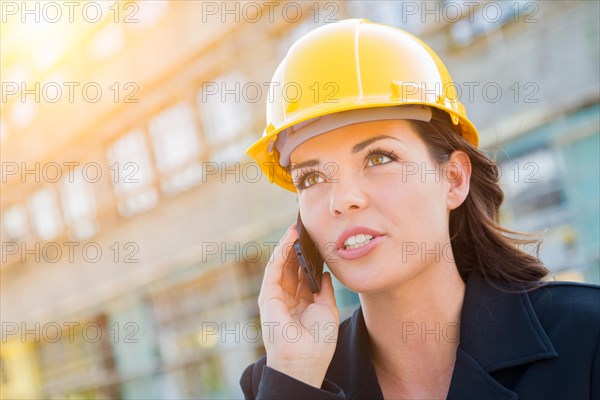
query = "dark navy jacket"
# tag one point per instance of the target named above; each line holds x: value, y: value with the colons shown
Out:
x: 542, y: 344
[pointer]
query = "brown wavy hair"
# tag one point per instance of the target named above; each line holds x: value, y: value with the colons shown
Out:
x: 478, y: 240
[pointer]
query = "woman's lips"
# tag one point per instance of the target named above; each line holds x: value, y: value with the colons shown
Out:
x: 353, y: 254
x: 353, y: 231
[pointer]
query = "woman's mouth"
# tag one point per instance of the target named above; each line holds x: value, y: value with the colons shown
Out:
x: 357, y: 242
x: 358, y: 250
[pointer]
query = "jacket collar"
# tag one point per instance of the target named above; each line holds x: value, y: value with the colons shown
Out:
x: 498, y: 330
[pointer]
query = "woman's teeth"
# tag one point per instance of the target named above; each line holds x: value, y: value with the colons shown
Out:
x: 357, y: 241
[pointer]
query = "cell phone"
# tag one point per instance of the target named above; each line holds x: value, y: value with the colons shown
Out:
x: 309, y: 258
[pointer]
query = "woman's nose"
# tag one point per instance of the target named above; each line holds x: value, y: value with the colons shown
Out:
x: 346, y: 197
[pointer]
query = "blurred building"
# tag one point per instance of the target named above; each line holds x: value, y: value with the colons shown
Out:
x: 135, y: 230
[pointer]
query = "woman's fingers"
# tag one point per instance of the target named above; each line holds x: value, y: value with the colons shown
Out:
x: 302, y: 290
x: 326, y: 295
x: 274, y: 269
x: 289, y: 279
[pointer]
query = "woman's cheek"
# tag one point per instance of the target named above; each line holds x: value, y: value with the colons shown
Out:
x: 329, y: 254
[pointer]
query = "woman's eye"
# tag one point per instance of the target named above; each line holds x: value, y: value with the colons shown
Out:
x: 312, y: 179
x: 378, y: 159
x: 308, y: 179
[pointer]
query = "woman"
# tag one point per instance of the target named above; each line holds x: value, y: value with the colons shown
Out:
x: 404, y: 210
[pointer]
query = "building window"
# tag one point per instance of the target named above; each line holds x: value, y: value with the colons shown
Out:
x: 14, y: 222
x: 395, y: 13
x: 535, y: 201
x: 532, y: 185
x: 226, y: 115
x: 489, y: 17
x: 77, y: 362
x: 146, y: 13
x: 132, y: 175
x: 79, y: 205
x: 3, y: 372
x: 22, y: 114
x: 107, y: 42
x: 3, y: 130
x: 185, y: 316
x: 43, y: 208
x: 176, y: 148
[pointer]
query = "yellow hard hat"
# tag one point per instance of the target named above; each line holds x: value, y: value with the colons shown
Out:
x: 350, y: 65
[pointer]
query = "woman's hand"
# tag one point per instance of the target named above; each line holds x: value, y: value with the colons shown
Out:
x: 299, y: 328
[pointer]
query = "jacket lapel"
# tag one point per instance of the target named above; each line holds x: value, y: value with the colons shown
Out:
x: 352, y: 365
x: 498, y: 330
x: 471, y: 382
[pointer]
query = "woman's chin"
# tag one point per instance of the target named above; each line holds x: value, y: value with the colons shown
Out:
x: 367, y: 279
x: 359, y: 282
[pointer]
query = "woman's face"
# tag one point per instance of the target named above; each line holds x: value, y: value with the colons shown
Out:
x: 376, y: 179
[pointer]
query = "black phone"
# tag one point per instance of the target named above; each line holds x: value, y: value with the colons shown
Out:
x: 309, y: 258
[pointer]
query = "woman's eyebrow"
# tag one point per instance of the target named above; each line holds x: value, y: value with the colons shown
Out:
x: 304, y: 164
x: 355, y: 149
x: 358, y: 147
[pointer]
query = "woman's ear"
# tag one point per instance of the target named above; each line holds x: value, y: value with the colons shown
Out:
x: 457, y: 172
